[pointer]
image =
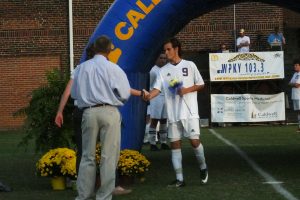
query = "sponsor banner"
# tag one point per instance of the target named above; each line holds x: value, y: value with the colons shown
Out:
x: 246, y: 66
x: 247, y: 107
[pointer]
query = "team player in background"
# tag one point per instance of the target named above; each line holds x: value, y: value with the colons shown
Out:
x: 157, y: 110
x: 295, y: 84
x: 182, y: 107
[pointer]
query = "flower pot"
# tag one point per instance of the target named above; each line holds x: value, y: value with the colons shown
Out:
x: 58, y: 183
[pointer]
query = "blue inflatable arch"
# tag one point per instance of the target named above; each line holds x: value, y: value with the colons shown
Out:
x: 138, y: 29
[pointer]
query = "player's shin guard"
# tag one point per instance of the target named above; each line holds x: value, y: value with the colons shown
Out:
x: 177, y: 163
x: 199, y: 152
x: 146, y: 136
x: 163, y: 133
x: 152, y: 136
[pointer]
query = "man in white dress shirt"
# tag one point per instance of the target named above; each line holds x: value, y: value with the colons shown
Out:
x: 100, y: 87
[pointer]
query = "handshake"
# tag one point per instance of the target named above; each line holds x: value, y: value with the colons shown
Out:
x: 145, y: 95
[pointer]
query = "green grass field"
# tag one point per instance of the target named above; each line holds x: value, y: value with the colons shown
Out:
x: 273, y: 149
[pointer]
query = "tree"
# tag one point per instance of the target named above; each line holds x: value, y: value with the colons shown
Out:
x: 40, y: 113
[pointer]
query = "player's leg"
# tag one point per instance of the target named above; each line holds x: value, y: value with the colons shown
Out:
x: 163, y: 134
x: 199, y: 153
x: 163, y: 126
x: 192, y: 131
x: 155, y: 116
x: 174, y: 134
x: 152, y: 134
x: 148, y: 120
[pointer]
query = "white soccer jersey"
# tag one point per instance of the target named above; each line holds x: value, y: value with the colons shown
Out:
x: 295, y: 91
x: 185, y: 107
x: 157, y: 105
x: 153, y: 74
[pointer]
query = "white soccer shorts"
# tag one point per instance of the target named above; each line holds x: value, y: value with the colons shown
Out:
x: 188, y: 128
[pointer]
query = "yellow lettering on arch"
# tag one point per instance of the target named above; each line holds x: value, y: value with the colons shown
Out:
x: 134, y: 17
x: 156, y: 1
x: 115, y: 54
x: 144, y: 8
x: 120, y: 34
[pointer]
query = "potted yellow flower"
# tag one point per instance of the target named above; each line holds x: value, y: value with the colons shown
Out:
x: 132, y: 163
x: 57, y: 163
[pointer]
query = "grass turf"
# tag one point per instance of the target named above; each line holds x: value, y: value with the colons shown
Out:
x: 276, y: 149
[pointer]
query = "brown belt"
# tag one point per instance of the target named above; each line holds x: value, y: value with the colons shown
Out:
x: 95, y: 106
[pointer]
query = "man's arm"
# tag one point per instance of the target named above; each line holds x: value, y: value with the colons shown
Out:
x: 59, y: 119
x: 135, y: 92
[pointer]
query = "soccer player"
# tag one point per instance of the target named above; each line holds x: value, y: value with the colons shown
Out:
x: 295, y: 83
x: 182, y: 107
x: 157, y: 110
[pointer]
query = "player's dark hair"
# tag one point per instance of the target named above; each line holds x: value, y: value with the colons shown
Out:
x: 296, y: 61
x: 175, y: 43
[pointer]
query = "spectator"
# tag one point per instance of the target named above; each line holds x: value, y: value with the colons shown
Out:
x: 243, y: 42
x: 276, y: 40
x: 223, y: 49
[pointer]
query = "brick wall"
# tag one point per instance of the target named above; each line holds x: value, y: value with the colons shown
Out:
x: 18, y: 77
x: 34, y: 38
x: 208, y: 31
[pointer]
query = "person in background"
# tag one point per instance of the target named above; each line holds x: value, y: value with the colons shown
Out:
x: 295, y: 84
x: 276, y: 40
x: 223, y: 49
x: 243, y: 42
x: 182, y: 107
x: 158, y: 112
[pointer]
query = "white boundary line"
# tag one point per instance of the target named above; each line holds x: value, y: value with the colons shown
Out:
x: 264, y: 174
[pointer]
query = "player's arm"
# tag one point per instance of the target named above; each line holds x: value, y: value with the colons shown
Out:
x: 150, y: 95
x: 296, y: 85
x: 59, y: 119
x: 195, y: 88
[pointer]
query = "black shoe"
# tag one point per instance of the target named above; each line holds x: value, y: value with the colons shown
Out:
x: 177, y: 184
x: 164, y: 146
x: 204, y: 176
x: 153, y: 147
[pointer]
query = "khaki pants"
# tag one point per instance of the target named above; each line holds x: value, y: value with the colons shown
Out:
x: 105, y: 120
